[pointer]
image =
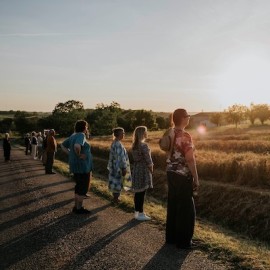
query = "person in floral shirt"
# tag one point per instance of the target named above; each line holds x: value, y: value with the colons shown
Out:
x: 182, y: 179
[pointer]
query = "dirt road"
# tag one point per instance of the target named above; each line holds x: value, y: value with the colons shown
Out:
x: 39, y: 231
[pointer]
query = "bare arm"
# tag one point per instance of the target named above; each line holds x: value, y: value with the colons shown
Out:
x: 193, y: 168
x: 64, y: 149
x: 77, y: 149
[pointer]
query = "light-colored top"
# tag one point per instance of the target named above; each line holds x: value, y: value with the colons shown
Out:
x: 76, y: 164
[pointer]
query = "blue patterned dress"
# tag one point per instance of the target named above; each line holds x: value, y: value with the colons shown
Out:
x: 118, y: 160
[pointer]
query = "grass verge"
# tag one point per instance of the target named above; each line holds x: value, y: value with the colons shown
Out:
x: 219, y: 243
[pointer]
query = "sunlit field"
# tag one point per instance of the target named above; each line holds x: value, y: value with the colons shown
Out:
x: 233, y: 167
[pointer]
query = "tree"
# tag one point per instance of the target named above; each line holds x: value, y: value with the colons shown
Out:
x: 5, y: 125
x: 25, y: 123
x: 251, y: 113
x: 262, y: 111
x: 145, y: 118
x: 68, y: 106
x: 162, y: 122
x: 104, y: 118
x: 65, y: 115
x: 216, y: 118
x: 236, y: 114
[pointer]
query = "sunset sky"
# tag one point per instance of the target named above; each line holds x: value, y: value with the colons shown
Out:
x: 155, y: 54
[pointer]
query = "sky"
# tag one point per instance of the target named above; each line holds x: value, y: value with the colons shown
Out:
x: 201, y: 55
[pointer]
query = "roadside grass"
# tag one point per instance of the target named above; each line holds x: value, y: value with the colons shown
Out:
x: 220, y: 244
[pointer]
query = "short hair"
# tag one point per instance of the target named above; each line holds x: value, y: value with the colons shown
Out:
x: 117, y: 131
x: 178, y: 115
x: 80, y: 126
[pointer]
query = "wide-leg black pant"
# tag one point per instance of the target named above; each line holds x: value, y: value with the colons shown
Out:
x: 180, y: 210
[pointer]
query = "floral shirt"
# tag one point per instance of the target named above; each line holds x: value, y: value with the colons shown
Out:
x: 182, y: 144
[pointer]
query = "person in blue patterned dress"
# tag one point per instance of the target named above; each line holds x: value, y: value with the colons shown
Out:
x: 118, y: 165
x: 142, y: 171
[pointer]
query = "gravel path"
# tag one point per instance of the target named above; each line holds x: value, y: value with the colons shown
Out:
x: 39, y: 231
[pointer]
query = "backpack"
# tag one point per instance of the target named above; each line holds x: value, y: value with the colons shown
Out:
x: 166, y: 142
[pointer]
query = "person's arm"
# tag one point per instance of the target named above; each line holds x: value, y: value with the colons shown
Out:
x: 77, y: 150
x: 191, y: 162
x: 147, y: 157
x: 64, y: 149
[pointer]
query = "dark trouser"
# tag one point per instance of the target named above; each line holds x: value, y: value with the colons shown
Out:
x: 139, y: 201
x: 49, y: 162
x: 180, y: 210
x: 7, y: 155
x: 26, y: 149
x: 116, y: 195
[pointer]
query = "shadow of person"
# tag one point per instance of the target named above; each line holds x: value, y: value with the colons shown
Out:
x: 93, y: 249
x: 168, y: 257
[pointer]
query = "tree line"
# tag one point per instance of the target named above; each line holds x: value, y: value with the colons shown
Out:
x: 104, y: 118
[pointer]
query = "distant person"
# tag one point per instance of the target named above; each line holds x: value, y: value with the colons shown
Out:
x: 118, y: 165
x: 142, y: 171
x: 80, y: 163
x: 39, y: 146
x: 50, y: 152
x: 34, y: 145
x: 44, y: 147
x: 6, y: 147
x: 182, y: 179
x: 27, y: 143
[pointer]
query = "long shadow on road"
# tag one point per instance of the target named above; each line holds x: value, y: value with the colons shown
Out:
x: 168, y: 257
x: 93, y: 249
x: 35, y: 240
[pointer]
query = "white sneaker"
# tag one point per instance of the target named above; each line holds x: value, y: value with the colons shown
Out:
x: 143, y: 217
x: 136, y: 213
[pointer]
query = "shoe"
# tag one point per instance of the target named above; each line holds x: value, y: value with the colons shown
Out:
x: 116, y: 200
x: 80, y: 211
x: 86, y: 196
x: 136, y: 213
x: 143, y: 217
x: 188, y: 246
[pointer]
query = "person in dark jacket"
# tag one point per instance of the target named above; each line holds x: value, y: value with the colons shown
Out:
x: 6, y: 147
x: 27, y: 143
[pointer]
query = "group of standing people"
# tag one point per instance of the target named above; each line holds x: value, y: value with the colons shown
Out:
x: 42, y: 147
x: 181, y: 170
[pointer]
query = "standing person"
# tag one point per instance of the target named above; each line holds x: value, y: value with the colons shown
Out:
x: 6, y: 147
x: 118, y: 165
x: 39, y: 146
x: 27, y: 143
x: 34, y: 145
x: 142, y: 170
x: 50, y: 152
x: 182, y: 179
x: 44, y: 147
x: 80, y: 163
